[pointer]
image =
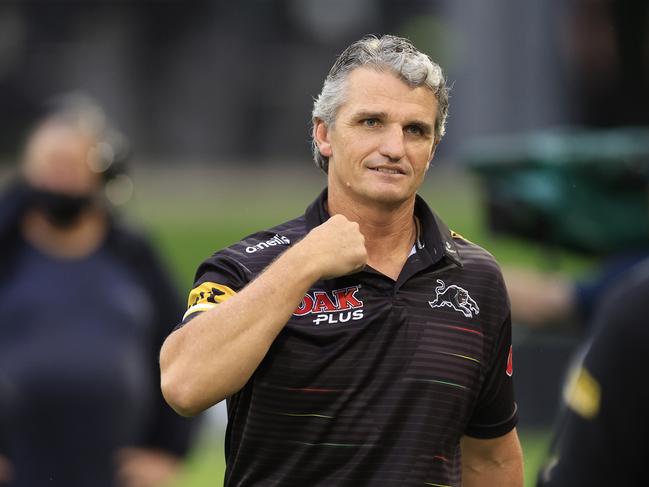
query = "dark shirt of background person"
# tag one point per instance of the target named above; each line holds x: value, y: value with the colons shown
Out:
x: 85, y: 306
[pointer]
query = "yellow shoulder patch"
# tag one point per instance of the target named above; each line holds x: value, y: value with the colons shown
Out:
x: 458, y: 236
x: 209, y: 292
x: 583, y: 393
x: 206, y: 296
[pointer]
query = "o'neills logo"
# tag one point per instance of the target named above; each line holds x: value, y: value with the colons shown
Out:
x: 276, y: 240
x: 339, y: 306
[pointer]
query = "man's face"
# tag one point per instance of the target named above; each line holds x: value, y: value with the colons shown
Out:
x: 383, y: 139
x: 57, y: 159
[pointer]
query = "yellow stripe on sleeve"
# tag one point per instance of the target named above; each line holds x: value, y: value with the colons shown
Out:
x: 206, y: 296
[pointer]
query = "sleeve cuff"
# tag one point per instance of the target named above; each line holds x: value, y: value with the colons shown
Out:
x: 496, y: 430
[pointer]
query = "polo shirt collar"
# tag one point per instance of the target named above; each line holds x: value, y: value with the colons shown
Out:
x: 434, y: 237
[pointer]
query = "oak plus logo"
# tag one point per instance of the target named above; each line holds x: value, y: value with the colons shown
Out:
x: 338, y: 306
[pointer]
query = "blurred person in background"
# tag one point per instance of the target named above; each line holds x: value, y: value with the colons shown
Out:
x: 363, y: 343
x: 549, y: 299
x: 601, y: 436
x: 84, y: 305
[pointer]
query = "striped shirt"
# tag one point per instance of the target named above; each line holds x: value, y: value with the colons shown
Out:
x: 371, y: 381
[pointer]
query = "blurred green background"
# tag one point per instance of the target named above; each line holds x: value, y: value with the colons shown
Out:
x: 195, y: 211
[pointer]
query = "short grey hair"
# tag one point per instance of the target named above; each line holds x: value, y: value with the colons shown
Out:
x: 393, y: 53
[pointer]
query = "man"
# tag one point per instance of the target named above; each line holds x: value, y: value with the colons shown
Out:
x: 85, y: 305
x: 601, y: 439
x: 362, y: 343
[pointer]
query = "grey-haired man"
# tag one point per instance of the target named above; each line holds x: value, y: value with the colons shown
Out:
x: 362, y: 343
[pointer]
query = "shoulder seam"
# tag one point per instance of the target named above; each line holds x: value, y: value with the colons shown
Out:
x: 237, y: 262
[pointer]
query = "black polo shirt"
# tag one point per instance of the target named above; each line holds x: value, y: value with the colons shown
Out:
x: 372, y: 381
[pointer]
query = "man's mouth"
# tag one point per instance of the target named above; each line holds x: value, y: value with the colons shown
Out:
x: 386, y: 170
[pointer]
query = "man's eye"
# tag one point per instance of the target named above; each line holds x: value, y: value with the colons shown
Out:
x: 370, y: 122
x: 414, y: 130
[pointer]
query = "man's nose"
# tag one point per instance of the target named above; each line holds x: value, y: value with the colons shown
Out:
x: 392, y: 143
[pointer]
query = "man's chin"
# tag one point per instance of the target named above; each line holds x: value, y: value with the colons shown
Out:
x: 388, y: 196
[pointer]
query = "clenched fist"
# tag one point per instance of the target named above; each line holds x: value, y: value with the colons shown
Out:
x: 337, y: 247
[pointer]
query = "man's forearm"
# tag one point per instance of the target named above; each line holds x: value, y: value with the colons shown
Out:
x: 506, y: 474
x: 215, y: 354
x: 496, y: 462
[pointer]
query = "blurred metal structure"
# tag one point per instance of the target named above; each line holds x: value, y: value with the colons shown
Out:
x: 581, y: 190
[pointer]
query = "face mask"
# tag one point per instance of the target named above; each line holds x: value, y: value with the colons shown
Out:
x: 60, y: 209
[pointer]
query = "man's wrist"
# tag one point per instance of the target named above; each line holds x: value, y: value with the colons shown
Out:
x: 303, y: 262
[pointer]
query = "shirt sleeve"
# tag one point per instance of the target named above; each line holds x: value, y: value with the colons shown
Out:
x: 495, y: 413
x: 217, y: 279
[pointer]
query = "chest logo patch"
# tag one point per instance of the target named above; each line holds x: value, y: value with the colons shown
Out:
x: 456, y: 298
x: 339, y: 306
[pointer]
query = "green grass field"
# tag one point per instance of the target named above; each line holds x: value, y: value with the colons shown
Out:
x: 195, y: 212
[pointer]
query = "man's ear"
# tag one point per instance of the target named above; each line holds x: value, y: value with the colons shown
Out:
x: 321, y: 137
